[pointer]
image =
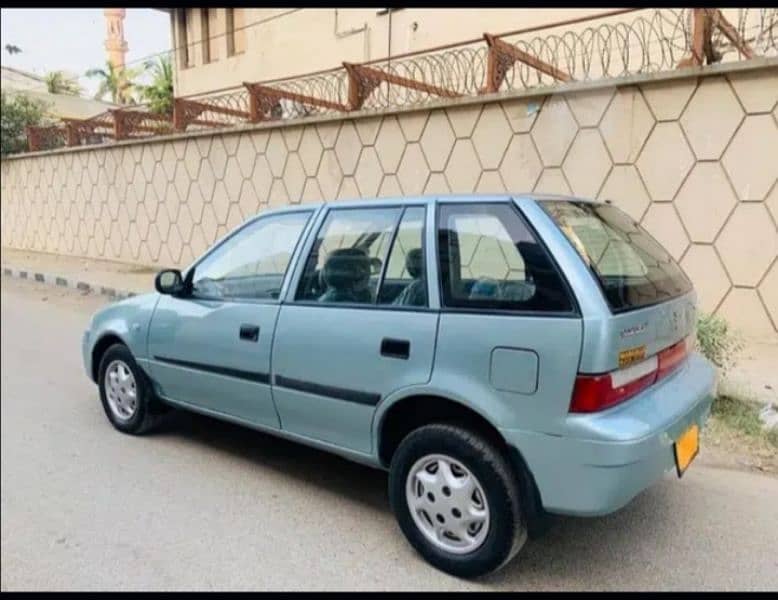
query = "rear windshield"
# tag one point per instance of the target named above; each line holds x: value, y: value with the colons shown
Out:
x: 630, y: 266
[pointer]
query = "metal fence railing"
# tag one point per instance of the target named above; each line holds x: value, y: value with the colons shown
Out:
x: 585, y: 49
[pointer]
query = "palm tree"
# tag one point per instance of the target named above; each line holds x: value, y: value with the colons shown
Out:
x: 159, y: 94
x: 58, y: 83
x: 116, y: 82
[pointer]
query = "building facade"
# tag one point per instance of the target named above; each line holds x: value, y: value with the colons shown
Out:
x: 215, y: 48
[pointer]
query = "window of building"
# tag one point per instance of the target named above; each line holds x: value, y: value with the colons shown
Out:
x: 229, y: 29
x: 239, y: 31
x: 205, y: 38
x: 183, y: 38
x: 215, y: 29
x: 191, y: 35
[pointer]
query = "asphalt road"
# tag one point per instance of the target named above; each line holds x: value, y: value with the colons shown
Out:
x: 207, y: 505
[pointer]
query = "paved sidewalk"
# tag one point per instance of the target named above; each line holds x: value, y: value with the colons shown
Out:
x: 756, y: 374
x: 96, y: 273
x: 755, y: 377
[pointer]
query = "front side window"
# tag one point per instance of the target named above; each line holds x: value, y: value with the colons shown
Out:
x: 347, y: 258
x: 252, y: 263
x: 490, y: 259
x: 632, y: 269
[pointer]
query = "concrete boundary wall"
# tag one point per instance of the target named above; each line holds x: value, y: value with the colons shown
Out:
x: 691, y: 154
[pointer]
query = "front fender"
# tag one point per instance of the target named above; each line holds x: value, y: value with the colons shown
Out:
x: 128, y: 320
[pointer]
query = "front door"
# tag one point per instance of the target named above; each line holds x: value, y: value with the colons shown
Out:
x: 211, y: 349
x: 357, y: 327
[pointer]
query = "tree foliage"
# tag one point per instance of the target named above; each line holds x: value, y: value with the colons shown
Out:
x: 159, y: 94
x: 59, y: 83
x: 716, y: 341
x: 16, y: 113
x: 117, y: 83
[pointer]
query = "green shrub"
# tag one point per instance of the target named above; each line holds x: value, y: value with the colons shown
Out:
x: 717, y: 342
x: 16, y: 113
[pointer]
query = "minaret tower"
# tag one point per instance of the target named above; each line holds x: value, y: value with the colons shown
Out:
x: 115, y: 45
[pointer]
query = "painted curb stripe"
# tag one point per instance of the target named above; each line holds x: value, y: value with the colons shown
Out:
x: 56, y: 280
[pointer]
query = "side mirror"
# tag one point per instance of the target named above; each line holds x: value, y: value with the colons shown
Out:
x: 169, y: 281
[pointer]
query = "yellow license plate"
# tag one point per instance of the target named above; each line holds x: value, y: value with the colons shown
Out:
x: 686, y: 448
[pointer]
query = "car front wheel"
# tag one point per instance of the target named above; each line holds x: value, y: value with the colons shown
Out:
x: 126, y: 393
x: 457, y: 500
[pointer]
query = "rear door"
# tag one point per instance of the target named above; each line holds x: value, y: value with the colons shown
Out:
x: 211, y: 349
x: 342, y: 344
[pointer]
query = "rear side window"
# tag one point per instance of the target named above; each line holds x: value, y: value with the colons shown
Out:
x: 347, y: 259
x: 490, y: 259
x: 631, y: 267
x: 404, y: 281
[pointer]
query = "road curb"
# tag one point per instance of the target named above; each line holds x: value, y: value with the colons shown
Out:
x: 68, y: 282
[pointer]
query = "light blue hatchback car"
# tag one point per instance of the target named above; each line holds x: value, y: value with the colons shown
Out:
x: 504, y: 357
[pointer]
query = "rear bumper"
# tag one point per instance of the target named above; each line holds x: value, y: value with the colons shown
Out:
x: 606, y: 459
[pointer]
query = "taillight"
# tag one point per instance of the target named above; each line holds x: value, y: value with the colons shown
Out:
x: 593, y: 393
x: 598, y: 392
x: 671, y: 358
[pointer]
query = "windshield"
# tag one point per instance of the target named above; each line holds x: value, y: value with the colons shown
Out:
x: 632, y: 269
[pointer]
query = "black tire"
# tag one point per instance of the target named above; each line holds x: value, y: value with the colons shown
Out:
x: 149, y: 411
x: 508, y: 527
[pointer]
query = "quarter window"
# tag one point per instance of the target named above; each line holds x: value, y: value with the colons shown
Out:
x: 489, y: 258
x: 252, y: 263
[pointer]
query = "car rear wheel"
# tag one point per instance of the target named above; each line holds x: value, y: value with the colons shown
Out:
x: 126, y: 393
x: 457, y: 500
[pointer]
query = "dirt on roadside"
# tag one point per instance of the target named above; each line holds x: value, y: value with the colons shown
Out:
x: 724, y: 446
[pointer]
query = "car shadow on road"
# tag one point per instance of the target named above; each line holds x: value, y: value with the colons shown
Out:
x: 573, y: 546
x: 343, y: 477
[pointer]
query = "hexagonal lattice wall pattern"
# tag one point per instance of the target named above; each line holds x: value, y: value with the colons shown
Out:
x: 691, y: 158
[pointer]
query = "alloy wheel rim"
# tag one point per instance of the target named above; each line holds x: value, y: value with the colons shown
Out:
x: 447, y: 504
x: 121, y: 390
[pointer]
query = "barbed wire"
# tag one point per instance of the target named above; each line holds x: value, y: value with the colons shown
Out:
x: 648, y: 43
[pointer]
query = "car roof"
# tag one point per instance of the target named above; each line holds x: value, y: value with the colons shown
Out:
x: 427, y: 199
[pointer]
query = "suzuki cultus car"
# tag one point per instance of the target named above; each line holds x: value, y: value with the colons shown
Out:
x: 503, y: 357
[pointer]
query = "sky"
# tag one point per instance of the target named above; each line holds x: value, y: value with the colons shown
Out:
x: 72, y: 39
